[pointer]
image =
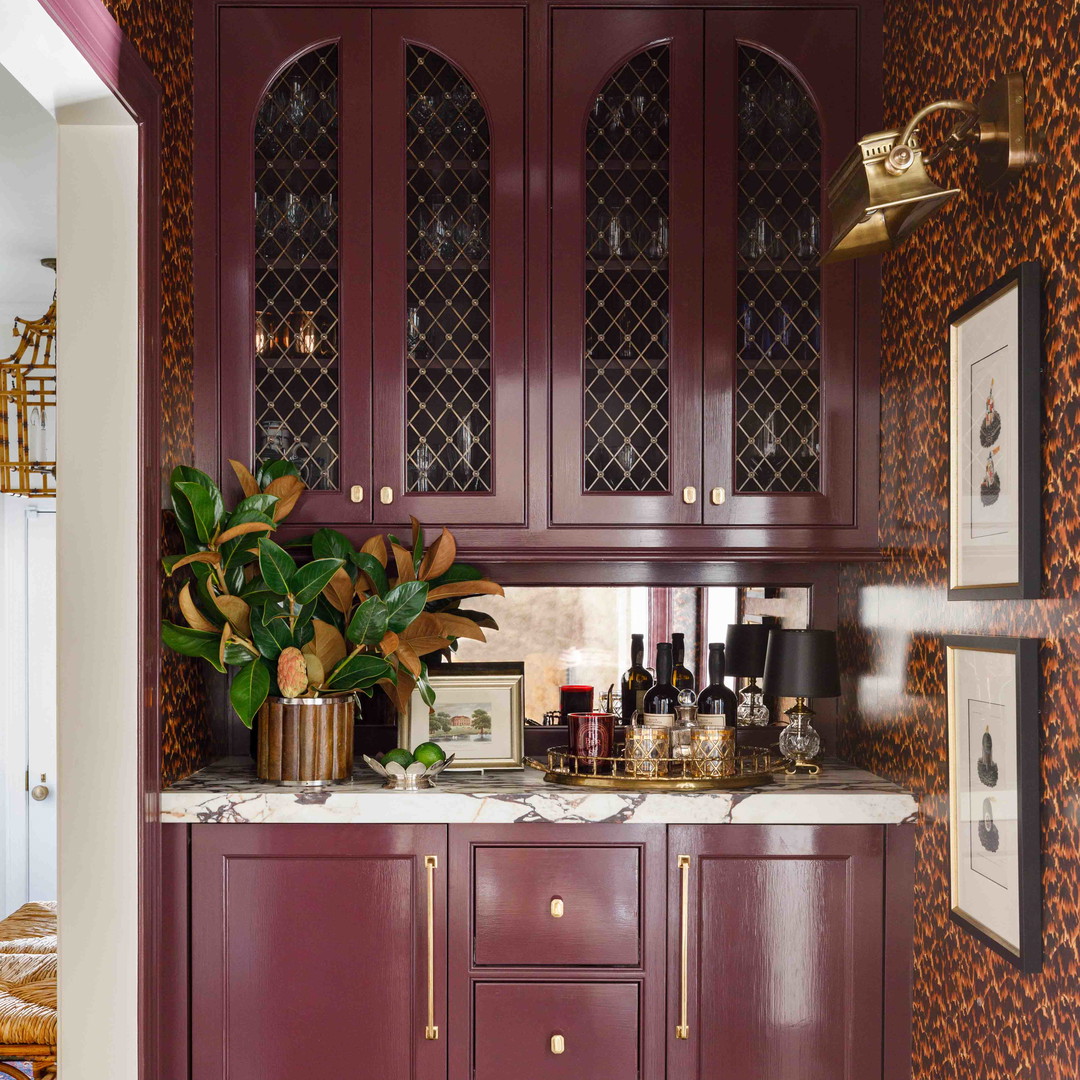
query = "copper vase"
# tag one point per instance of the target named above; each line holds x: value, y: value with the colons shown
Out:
x: 306, y: 740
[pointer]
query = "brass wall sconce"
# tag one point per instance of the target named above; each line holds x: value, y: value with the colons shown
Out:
x: 882, y: 191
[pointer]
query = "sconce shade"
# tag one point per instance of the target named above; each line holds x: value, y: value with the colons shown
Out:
x: 872, y: 210
x: 802, y: 663
x: 745, y: 650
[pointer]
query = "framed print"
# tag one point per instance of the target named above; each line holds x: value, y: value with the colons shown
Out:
x: 477, y: 717
x: 994, y: 837
x: 995, y: 413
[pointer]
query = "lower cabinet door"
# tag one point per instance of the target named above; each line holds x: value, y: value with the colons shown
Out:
x: 318, y: 950
x: 775, y: 952
x: 556, y: 1031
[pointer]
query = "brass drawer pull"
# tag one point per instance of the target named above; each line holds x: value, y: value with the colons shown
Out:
x: 431, y: 863
x: 557, y: 908
x: 689, y: 495
x: 682, y: 1029
x: 558, y: 1044
x: 718, y: 496
x: 356, y: 493
x: 386, y: 495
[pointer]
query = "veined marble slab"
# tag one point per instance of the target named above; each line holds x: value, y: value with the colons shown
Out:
x: 227, y: 791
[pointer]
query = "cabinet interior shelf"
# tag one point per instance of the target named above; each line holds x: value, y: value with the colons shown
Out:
x: 296, y: 363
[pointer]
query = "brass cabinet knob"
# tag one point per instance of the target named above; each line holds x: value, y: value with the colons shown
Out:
x: 356, y: 493
x: 558, y: 1044
x: 386, y: 495
x: 718, y: 496
x: 556, y: 907
x: 689, y: 495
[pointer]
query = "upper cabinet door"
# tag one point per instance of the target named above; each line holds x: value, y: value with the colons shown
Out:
x: 449, y: 288
x: 294, y: 271
x: 626, y: 222
x: 780, y: 331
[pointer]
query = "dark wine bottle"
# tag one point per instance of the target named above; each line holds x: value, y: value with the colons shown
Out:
x: 682, y: 677
x: 716, y: 699
x: 662, y: 697
x: 636, y: 679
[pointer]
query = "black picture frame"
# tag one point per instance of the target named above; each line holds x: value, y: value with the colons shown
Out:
x: 1025, y: 652
x: 1027, y: 277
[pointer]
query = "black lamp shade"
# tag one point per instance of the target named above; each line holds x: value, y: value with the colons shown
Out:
x: 745, y: 650
x: 802, y: 663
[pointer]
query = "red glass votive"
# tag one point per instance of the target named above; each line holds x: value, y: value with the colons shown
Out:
x: 592, y: 735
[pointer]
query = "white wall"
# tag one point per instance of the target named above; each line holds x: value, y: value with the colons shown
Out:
x: 97, y: 543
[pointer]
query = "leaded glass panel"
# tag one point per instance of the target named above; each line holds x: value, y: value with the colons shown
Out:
x: 627, y: 422
x: 296, y: 269
x: 448, y: 420
x: 778, y: 384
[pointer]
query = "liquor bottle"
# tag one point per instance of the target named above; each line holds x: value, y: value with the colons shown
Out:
x: 636, y: 680
x: 682, y: 677
x: 661, y: 698
x: 716, y: 699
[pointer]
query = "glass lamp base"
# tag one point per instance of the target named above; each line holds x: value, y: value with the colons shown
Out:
x: 751, y: 711
x: 799, y: 742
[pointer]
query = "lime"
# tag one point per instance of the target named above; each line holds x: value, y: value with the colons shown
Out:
x: 429, y: 753
x: 400, y: 755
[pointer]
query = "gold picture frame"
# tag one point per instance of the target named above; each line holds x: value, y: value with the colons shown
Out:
x: 462, y: 691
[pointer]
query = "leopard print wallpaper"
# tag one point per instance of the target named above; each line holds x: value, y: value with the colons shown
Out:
x: 162, y: 31
x: 976, y: 1017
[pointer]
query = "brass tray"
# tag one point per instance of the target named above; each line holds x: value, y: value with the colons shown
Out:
x: 752, y: 766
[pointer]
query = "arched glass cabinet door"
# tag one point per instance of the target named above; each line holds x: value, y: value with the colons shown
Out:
x: 626, y: 251
x: 780, y: 331
x: 294, y: 272
x: 448, y: 434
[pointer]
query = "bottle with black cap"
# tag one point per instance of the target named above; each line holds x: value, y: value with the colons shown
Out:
x: 636, y: 680
x: 681, y: 676
x: 662, y: 698
x: 717, y: 699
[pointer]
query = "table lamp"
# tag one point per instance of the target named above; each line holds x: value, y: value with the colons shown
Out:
x: 801, y: 664
x: 745, y: 655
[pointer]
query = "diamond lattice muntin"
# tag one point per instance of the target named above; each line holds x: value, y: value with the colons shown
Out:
x: 627, y: 427
x: 448, y: 289
x: 778, y: 385
x: 296, y: 269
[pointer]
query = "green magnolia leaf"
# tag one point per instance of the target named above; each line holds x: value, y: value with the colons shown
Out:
x: 427, y: 691
x: 457, y: 572
x: 270, y: 634
x: 203, y: 510
x: 418, y: 547
x: 273, y: 470
x: 312, y: 578
x: 368, y: 626
x: 360, y: 672
x: 404, y: 602
x: 189, y: 474
x: 374, y: 570
x: 249, y: 688
x: 255, y: 592
x: 264, y: 504
x: 330, y: 544
x: 276, y: 565
x: 237, y: 655
x: 329, y: 614
x: 299, y: 618
x: 201, y: 643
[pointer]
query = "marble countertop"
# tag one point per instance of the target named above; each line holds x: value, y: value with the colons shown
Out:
x: 227, y: 791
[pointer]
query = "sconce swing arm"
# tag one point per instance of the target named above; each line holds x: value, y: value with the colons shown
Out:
x: 901, y: 156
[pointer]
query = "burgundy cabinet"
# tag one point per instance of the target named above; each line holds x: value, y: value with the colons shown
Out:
x: 547, y: 274
x: 775, y: 952
x: 703, y: 364
x: 293, y: 262
x: 318, y: 946
x: 449, y: 292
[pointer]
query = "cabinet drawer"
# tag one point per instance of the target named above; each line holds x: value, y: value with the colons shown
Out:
x: 515, y: 1024
x: 596, y: 923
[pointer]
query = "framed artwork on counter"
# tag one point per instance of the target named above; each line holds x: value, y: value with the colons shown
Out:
x: 992, y: 701
x: 995, y: 418
x: 478, y: 714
